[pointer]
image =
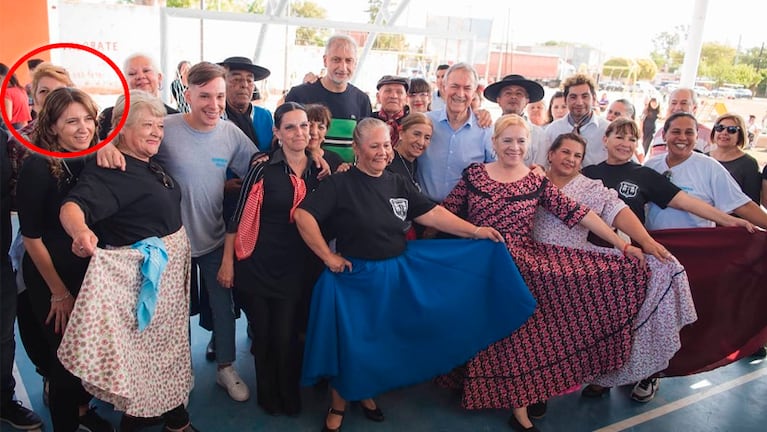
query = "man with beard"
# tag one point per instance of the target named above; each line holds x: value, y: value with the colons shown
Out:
x: 347, y: 103
x: 580, y: 95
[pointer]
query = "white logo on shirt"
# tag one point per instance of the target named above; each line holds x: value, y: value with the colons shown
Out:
x: 399, y: 206
x: 629, y: 190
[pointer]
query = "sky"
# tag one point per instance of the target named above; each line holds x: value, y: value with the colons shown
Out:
x: 614, y: 27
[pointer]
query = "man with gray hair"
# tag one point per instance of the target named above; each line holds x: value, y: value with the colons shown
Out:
x: 457, y: 139
x: 683, y: 99
x: 347, y: 103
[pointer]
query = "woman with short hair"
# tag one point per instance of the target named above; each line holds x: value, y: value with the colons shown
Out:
x: 127, y: 222
x: 729, y: 135
x: 376, y: 323
x: 142, y: 73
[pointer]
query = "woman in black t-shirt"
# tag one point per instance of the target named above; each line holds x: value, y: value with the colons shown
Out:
x: 729, y: 135
x: 135, y: 296
x: 52, y: 273
x: 364, y: 327
x: 638, y: 185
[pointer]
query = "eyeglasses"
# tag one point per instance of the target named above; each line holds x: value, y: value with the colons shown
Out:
x: 668, y: 174
x: 423, y: 94
x: 730, y: 129
x: 157, y: 170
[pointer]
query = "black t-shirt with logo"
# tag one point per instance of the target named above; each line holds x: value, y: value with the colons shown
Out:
x: 369, y: 214
x: 636, y: 185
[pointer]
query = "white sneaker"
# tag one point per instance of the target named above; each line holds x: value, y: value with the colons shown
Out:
x: 228, y: 379
x: 645, y: 390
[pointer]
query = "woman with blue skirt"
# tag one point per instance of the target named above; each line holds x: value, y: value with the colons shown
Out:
x: 391, y: 313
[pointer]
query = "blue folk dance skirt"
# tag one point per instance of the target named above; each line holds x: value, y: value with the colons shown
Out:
x: 400, y: 321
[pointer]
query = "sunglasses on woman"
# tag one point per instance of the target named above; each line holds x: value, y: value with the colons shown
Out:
x: 730, y: 129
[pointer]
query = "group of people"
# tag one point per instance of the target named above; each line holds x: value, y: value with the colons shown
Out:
x: 305, y: 216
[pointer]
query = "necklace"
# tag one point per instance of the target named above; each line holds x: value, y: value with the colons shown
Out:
x: 409, y: 172
x: 71, y: 178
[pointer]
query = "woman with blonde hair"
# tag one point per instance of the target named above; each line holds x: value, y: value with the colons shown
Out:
x: 135, y: 294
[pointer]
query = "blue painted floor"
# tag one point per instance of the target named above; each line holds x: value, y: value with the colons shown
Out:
x: 728, y: 399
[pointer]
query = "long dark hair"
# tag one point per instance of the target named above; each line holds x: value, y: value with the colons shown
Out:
x: 12, y: 81
x: 55, y: 104
x: 558, y: 94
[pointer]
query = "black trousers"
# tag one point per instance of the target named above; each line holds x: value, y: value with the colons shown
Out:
x: 276, y: 352
x: 66, y: 390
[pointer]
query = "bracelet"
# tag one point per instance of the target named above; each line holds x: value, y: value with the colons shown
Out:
x: 60, y: 298
x: 626, y: 247
x: 474, y: 234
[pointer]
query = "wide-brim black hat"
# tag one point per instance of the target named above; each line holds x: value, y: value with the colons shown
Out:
x: 534, y: 90
x: 244, y: 63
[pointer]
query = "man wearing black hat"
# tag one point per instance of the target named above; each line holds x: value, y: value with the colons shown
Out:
x: 347, y: 103
x: 512, y: 94
x: 392, y: 95
x: 255, y: 122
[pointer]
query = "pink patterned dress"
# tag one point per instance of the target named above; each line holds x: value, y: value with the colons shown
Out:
x: 668, y: 305
x: 587, y: 301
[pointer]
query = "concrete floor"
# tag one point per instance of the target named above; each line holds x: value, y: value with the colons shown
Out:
x: 727, y: 399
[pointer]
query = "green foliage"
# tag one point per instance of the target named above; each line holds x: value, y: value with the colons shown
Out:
x: 239, y: 6
x: 389, y: 41
x: 618, y: 67
x: 668, y: 54
x: 647, y: 69
x: 310, y: 35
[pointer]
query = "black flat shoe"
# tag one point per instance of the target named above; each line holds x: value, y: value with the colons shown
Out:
x: 334, y: 411
x: 594, y: 391
x: 374, y: 414
x: 517, y: 426
x: 537, y: 410
x: 130, y: 423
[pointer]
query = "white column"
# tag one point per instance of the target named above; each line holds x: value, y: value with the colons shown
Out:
x: 689, y: 69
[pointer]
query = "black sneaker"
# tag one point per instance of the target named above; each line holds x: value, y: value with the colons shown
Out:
x: 92, y: 422
x: 760, y: 353
x: 16, y: 415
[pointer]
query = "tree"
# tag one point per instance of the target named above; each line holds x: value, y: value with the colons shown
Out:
x: 647, y: 69
x: 310, y: 35
x: 619, y: 67
x: 239, y: 6
x: 668, y: 54
x: 387, y: 41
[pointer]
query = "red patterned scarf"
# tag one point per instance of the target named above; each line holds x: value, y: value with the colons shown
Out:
x: 250, y: 223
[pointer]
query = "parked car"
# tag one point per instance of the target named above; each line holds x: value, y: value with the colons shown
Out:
x: 702, y: 91
x: 611, y: 86
x: 743, y: 94
x: 724, y: 93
